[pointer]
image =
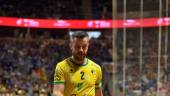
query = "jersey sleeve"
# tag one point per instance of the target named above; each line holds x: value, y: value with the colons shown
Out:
x: 99, y: 77
x: 59, y: 75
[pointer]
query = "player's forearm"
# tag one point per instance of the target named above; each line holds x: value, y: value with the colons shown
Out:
x: 57, y: 93
x: 98, y: 92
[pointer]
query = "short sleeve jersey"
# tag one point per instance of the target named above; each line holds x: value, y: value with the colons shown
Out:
x: 79, y: 80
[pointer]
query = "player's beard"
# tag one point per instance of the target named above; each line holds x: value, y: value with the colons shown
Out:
x: 79, y: 57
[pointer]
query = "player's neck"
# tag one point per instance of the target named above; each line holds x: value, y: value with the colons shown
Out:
x: 77, y: 62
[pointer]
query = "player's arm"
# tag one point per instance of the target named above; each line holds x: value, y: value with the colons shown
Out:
x: 98, y: 85
x: 59, y: 82
x: 58, y: 90
x: 98, y: 92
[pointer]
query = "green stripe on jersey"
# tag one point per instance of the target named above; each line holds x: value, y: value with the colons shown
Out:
x: 57, y: 82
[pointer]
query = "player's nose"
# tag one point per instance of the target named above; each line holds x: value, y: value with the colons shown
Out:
x: 80, y: 49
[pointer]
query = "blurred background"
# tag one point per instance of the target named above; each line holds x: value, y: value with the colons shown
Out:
x: 135, y: 60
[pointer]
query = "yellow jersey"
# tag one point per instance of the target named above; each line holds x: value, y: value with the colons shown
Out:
x: 79, y: 80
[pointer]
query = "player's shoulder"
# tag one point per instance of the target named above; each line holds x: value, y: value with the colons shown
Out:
x: 62, y: 63
x: 94, y: 64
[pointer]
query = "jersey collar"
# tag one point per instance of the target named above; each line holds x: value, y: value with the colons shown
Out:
x: 85, y: 62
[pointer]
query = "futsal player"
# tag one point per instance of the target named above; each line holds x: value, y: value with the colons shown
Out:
x: 78, y: 75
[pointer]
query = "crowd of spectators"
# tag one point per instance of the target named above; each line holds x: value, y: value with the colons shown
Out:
x: 56, y: 9
x: 142, y: 79
x: 27, y: 65
x: 72, y: 9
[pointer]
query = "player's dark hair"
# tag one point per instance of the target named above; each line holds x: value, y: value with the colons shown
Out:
x: 79, y: 34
